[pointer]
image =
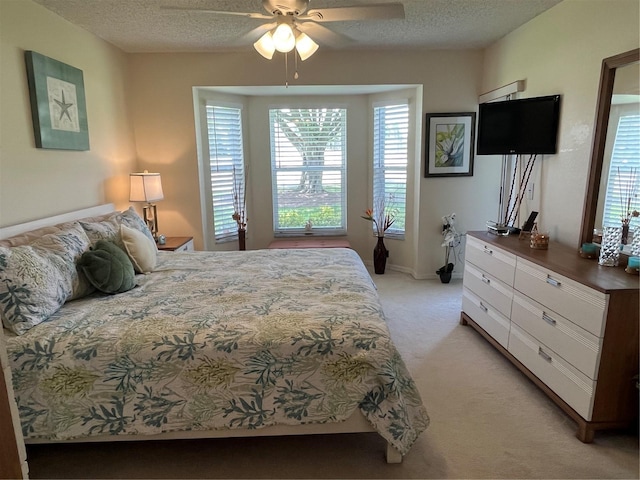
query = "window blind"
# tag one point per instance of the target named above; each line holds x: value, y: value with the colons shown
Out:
x: 224, y: 127
x: 624, y: 172
x: 390, y: 153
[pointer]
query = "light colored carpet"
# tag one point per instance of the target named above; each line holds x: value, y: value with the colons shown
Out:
x: 487, y: 420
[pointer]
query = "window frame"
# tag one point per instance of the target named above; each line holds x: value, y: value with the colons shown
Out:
x: 204, y: 100
x: 341, y: 230
x: 393, y: 232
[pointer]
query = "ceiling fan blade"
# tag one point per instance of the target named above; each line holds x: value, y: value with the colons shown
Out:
x: 255, y: 34
x: 322, y: 35
x: 384, y: 11
x: 258, y: 16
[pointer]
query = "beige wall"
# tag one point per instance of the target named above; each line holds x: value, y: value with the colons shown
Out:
x: 561, y: 51
x: 163, y: 115
x: 38, y: 182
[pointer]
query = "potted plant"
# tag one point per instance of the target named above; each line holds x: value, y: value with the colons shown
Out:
x: 450, y: 240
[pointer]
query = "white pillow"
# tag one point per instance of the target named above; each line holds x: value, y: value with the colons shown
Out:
x: 141, y: 249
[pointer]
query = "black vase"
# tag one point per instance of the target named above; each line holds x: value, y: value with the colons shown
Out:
x: 625, y: 233
x: 380, y: 254
x: 241, y: 239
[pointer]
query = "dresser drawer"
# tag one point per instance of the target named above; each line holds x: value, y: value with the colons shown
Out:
x: 486, y: 316
x: 580, y: 304
x: 494, y: 261
x: 485, y: 286
x: 574, y: 344
x: 566, y: 381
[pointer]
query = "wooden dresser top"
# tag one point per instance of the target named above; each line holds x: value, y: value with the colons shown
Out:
x: 565, y: 261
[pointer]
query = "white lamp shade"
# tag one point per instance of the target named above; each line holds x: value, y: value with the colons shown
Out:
x: 145, y: 187
x: 305, y: 46
x: 283, y: 38
x: 265, y: 46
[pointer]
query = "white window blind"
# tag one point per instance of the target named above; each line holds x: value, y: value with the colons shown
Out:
x: 224, y: 127
x: 624, y: 173
x: 308, y: 160
x: 390, y: 152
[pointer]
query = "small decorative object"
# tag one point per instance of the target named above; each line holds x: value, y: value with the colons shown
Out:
x: 539, y: 241
x: 382, y: 218
x: 449, y: 145
x: 451, y: 239
x: 589, y: 250
x: 308, y: 227
x: 633, y: 264
x: 610, y: 247
x: 147, y: 187
x: 239, y: 207
x: 58, y: 105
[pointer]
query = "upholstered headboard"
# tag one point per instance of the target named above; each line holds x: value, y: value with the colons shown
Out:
x: 6, y: 232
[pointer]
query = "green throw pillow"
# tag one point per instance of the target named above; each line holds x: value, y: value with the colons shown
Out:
x: 108, y: 268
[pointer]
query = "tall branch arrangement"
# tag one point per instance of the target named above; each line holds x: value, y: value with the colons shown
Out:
x: 239, y: 201
x: 381, y: 215
x: 628, y: 192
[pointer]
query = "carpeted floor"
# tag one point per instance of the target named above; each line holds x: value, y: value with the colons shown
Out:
x: 487, y: 420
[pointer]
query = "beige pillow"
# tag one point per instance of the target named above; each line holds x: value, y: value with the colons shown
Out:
x: 141, y: 249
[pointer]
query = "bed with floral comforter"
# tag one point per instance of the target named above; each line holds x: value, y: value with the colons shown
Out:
x: 213, y: 341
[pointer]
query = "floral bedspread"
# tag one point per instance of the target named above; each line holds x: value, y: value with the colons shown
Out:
x: 219, y: 340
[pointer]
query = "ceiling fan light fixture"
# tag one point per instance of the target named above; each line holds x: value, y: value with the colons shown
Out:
x: 305, y: 46
x: 283, y: 38
x: 265, y: 46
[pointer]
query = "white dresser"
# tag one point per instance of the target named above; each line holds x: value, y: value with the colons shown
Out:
x: 567, y: 323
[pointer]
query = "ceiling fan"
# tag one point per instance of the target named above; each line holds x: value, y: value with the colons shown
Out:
x: 291, y: 24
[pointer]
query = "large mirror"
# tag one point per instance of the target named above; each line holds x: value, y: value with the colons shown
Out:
x: 614, y: 179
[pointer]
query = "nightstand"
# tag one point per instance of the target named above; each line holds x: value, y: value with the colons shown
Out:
x: 177, y: 244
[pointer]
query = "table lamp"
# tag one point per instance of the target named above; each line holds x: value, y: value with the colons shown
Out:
x: 147, y: 187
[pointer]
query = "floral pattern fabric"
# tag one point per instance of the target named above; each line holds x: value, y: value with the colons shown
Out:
x: 219, y: 340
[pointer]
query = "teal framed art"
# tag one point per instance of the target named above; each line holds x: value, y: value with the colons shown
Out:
x: 58, y: 103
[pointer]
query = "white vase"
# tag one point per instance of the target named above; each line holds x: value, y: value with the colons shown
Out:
x: 610, y: 247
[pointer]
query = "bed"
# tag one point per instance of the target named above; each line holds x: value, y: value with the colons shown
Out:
x: 207, y: 344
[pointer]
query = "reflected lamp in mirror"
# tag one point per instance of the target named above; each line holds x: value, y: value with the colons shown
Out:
x: 147, y: 187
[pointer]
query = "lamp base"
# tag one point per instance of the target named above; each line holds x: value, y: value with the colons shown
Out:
x: 150, y: 215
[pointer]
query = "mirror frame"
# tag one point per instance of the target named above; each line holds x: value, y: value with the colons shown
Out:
x: 607, y: 78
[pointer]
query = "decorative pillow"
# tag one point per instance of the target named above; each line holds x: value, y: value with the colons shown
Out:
x: 131, y: 219
x: 33, y: 286
x: 142, y: 251
x: 70, y: 243
x: 108, y: 268
x: 108, y: 229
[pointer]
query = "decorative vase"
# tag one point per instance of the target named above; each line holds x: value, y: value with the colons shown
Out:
x: 241, y: 239
x: 380, y: 254
x: 635, y: 243
x: 610, y: 247
x: 625, y: 234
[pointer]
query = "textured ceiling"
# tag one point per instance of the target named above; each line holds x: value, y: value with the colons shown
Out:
x: 143, y: 26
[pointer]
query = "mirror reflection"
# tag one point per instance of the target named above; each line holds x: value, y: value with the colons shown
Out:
x: 618, y: 200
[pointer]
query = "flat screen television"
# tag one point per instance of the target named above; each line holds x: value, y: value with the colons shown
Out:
x: 526, y: 126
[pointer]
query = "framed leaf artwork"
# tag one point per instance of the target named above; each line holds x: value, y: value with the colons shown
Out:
x: 450, y: 144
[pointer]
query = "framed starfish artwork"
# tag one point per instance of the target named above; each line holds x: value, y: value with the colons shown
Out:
x: 58, y: 104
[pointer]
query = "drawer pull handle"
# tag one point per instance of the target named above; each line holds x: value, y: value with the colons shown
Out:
x: 485, y: 280
x: 553, y: 281
x: 548, y: 319
x: 483, y: 307
x: 488, y: 251
x: 544, y: 354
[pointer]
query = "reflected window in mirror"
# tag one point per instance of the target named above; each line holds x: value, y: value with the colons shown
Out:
x: 617, y: 199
